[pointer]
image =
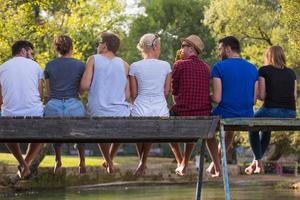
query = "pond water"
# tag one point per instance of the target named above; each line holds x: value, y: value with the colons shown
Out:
x: 186, y: 192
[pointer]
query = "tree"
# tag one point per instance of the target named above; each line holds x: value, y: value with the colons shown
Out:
x: 172, y: 20
x: 41, y: 20
x: 258, y: 25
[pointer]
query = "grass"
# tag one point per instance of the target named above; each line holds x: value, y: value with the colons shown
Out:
x: 73, y: 161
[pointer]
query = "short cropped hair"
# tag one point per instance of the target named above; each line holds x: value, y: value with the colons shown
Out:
x: 232, y: 42
x: 111, y: 40
x: 19, y: 45
x: 63, y: 44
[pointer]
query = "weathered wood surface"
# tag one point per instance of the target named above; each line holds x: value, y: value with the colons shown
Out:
x: 263, y: 124
x: 97, y: 129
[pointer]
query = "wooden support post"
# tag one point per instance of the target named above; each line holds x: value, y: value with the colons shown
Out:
x: 200, y: 171
x: 224, y: 162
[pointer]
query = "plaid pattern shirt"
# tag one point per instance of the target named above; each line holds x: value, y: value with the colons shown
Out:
x: 190, y: 87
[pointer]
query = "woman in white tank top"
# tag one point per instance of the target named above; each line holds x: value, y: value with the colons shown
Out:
x: 150, y: 82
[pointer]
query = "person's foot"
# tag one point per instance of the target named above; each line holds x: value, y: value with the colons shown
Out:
x: 181, y: 170
x: 216, y: 174
x: 259, y: 167
x: 23, y: 172
x: 104, y: 164
x: 140, y: 170
x: 57, y: 168
x: 81, y: 169
x: 250, y: 169
x: 211, y: 169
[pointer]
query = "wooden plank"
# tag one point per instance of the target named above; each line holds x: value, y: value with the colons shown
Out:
x: 263, y: 124
x: 97, y: 129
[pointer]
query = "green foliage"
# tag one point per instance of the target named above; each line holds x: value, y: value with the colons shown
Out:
x: 173, y: 20
x: 39, y: 21
x: 259, y: 24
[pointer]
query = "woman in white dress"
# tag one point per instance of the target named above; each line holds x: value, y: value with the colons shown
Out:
x: 150, y: 83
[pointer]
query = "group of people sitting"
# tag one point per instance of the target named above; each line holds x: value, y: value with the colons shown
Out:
x: 141, y: 89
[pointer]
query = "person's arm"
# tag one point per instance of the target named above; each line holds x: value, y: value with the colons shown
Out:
x: 261, y: 88
x: 175, y: 82
x: 133, y: 87
x: 127, y: 88
x: 255, y: 92
x: 295, y: 91
x: 1, y: 99
x: 217, y: 90
x: 87, y: 76
x: 40, y: 87
x: 167, y: 86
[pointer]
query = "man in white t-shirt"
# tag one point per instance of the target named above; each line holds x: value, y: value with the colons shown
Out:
x: 20, y: 95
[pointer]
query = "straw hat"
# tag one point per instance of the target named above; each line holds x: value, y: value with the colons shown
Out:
x: 195, y: 41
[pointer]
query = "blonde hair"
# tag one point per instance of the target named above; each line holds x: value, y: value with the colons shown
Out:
x: 148, y: 42
x: 274, y: 55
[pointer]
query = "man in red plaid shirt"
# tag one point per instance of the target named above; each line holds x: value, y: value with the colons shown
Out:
x: 191, y: 93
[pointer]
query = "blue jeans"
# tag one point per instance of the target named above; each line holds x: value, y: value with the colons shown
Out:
x: 259, y: 141
x: 71, y: 107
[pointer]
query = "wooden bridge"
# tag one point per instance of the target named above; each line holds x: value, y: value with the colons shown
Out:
x: 132, y: 130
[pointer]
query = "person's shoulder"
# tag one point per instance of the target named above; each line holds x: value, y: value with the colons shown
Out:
x: 163, y: 62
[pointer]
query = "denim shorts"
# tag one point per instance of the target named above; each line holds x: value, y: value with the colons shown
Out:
x: 71, y: 107
x: 275, y: 112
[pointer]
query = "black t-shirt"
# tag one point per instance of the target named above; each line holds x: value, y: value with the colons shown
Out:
x: 280, y: 85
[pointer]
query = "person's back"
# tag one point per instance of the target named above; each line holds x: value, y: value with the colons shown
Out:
x: 191, y: 79
x: 280, y: 87
x: 107, y: 92
x: 238, y: 78
x: 19, y: 79
x: 64, y: 75
x: 21, y: 93
x: 150, y: 75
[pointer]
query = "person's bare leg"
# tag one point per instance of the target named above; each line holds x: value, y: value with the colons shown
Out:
x: 113, y: 150
x: 58, y: 163
x: 32, y: 151
x: 141, y: 169
x: 177, y: 153
x: 23, y: 170
x: 139, y: 147
x: 185, y: 161
x: 81, y: 153
x: 215, y: 166
x: 104, y: 148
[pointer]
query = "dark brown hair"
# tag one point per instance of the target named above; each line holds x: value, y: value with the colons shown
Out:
x: 63, y: 44
x: 111, y: 40
x: 19, y: 45
x: 232, y: 42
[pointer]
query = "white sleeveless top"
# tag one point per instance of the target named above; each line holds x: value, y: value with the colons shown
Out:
x: 107, y: 93
x: 151, y: 75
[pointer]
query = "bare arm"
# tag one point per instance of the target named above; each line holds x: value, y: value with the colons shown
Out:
x: 40, y: 87
x: 1, y: 99
x: 295, y: 91
x: 255, y: 92
x: 133, y: 87
x: 217, y: 90
x: 167, y: 86
x: 261, y: 88
x: 127, y: 88
x: 87, y: 76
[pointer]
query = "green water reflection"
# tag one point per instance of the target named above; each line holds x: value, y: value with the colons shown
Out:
x: 159, y: 193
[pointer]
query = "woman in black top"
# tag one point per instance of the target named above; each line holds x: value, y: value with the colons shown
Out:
x: 278, y: 90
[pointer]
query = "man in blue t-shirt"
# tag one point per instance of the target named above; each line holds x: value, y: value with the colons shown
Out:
x: 234, y: 90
